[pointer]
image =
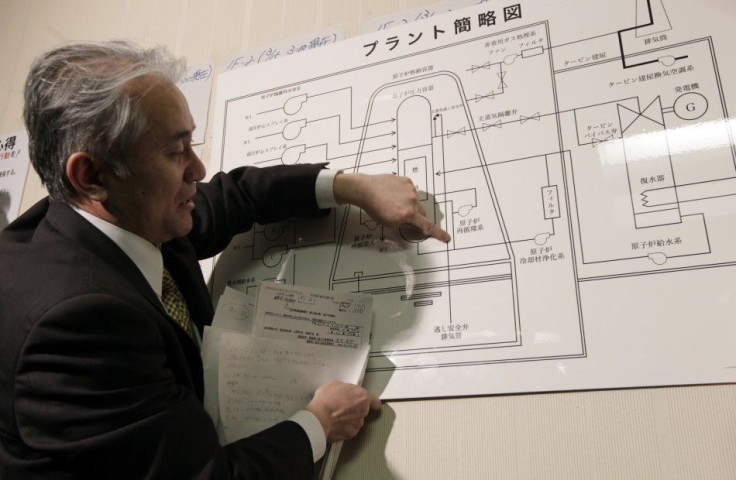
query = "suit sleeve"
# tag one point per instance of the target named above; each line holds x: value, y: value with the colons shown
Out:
x: 232, y: 202
x: 97, y: 396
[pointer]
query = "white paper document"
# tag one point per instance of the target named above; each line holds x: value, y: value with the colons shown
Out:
x: 211, y: 365
x: 284, y: 48
x: 421, y: 13
x: 196, y: 87
x: 312, y: 316
x: 235, y: 311
x: 264, y: 381
x: 314, y: 337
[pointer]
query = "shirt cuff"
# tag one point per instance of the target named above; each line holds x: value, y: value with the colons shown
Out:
x: 323, y: 188
x: 313, y: 428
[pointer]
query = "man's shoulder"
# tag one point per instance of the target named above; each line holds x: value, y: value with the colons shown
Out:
x: 42, y: 267
x: 30, y: 248
x: 22, y: 229
x: 37, y: 274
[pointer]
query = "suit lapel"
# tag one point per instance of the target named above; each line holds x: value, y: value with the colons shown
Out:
x: 180, y: 259
x: 71, y: 225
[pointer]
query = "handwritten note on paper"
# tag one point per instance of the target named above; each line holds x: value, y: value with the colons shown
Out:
x: 313, y: 316
x: 196, y: 86
x: 284, y: 48
x: 264, y: 381
x: 389, y: 21
x: 235, y: 311
x: 14, y: 161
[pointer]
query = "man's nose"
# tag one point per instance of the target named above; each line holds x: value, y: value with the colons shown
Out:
x: 196, y: 170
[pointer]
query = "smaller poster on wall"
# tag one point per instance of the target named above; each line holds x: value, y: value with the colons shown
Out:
x: 14, y: 162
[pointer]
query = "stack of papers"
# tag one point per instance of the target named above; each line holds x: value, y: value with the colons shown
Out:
x: 266, y: 353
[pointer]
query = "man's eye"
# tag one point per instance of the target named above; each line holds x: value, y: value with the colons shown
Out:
x: 179, y: 153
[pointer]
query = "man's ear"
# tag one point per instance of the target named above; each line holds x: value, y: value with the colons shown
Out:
x: 86, y: 176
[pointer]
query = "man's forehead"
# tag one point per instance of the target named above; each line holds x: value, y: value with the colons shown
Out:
x: 166, y: 108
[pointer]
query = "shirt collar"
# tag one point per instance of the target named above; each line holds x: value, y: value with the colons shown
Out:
x: 146, y: 256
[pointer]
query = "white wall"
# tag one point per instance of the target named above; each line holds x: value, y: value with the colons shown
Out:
x: 662, y: 433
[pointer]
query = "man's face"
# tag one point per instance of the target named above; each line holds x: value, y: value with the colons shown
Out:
x: 155, y: 200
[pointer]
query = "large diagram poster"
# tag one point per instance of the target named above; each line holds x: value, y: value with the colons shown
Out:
x: 579, y: 152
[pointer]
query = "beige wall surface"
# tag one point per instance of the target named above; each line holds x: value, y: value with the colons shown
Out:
x: 661, y: 433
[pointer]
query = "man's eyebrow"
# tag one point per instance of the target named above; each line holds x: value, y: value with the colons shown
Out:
x: 182, y: 134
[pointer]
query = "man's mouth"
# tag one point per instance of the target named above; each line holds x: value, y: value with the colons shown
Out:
x: 189, y: 201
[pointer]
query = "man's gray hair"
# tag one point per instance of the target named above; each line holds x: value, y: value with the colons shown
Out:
x: 76, y: 100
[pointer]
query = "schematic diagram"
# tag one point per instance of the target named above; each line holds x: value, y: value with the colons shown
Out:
x: 561, y: 168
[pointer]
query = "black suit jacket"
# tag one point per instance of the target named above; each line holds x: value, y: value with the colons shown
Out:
x: 96, y: 380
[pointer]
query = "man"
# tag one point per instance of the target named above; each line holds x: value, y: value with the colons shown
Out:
x: 98, y: 379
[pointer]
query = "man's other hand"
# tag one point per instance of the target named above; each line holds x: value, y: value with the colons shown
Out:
x: 341, y: 409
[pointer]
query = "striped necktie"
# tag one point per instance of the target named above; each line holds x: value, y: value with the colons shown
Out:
x: 175, y: 305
